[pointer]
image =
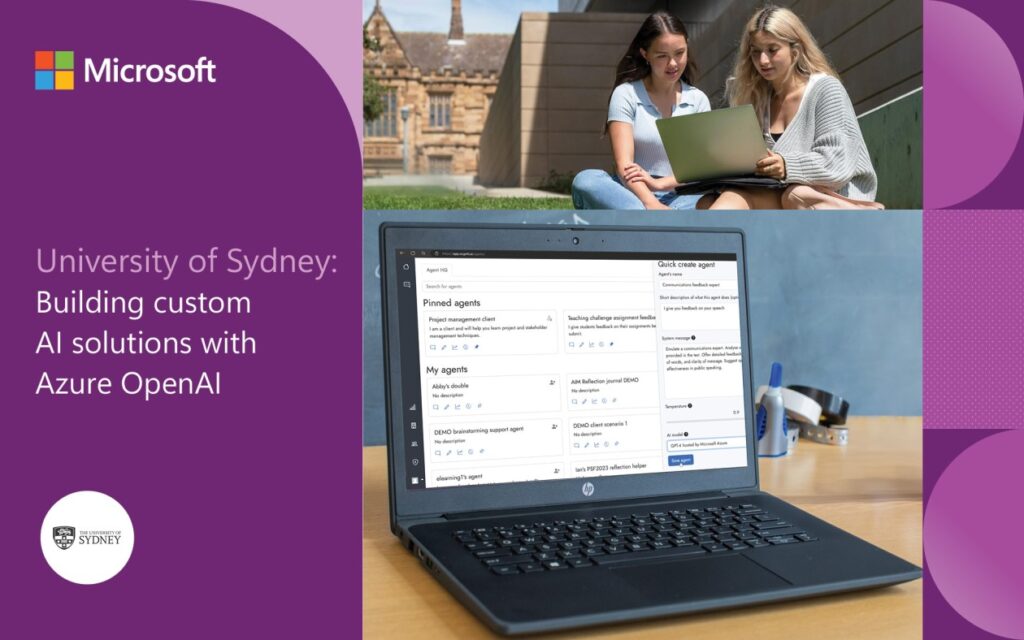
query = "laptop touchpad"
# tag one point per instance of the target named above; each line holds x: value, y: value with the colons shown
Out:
x: 699, y: 578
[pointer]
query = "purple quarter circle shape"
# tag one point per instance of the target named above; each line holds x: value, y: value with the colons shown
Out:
x: 974, y: 107
x: 980, y: 578
x: 329, y: 32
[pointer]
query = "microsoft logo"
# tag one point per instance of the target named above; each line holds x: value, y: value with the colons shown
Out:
x: 55, y: 70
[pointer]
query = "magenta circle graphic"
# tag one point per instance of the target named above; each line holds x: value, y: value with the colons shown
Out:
x: 977, y: 495
x: 974, y: 106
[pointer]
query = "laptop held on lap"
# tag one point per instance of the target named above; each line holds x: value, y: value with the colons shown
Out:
x: 570, y: 433
x: 715, y: 149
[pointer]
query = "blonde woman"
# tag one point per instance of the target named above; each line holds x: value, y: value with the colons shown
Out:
x: 814, y: 140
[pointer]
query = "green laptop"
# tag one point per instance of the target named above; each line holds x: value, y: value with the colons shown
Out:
x: 718, y: 147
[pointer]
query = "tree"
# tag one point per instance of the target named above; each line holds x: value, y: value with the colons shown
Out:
x: 373, y: 92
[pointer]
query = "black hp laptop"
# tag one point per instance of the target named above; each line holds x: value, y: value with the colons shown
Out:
x: 570, y: 428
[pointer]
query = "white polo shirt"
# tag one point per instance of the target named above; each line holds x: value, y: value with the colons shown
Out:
x: 631, y: 104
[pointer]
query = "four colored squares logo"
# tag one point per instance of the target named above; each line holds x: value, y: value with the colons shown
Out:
x: 55, y: 70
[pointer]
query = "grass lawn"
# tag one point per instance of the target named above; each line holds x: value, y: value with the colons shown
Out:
x: 375, y: 198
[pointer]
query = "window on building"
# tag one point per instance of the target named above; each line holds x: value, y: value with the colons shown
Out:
x: 440, y: 111
x: 439, y: 165
x: 386, y: 126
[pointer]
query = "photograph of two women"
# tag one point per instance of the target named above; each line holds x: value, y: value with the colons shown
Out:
x: 565, y: 109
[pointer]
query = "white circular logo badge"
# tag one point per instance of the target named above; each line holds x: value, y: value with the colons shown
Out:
x: 588, y: 489
x: 87, y: 537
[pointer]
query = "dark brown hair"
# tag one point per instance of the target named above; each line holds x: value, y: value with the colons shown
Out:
x: 633, y: 66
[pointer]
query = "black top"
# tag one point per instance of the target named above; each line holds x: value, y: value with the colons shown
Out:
x: 775, y: 136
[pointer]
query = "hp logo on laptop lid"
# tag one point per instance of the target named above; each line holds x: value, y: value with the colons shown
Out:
x: 588, y: 489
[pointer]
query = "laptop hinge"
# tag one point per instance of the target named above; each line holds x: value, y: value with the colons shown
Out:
x: 584, y: 506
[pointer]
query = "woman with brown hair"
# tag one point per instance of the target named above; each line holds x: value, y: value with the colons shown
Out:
x: 652, y: 81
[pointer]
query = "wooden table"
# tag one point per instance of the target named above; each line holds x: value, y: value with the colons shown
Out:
x: 871, y: 488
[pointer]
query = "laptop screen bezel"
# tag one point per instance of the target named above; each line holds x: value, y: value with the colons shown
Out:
x: 406, y: 502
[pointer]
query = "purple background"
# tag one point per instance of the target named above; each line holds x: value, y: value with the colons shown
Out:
x: 243, y: 504
x: 246, y: 506
x: 972, y: 281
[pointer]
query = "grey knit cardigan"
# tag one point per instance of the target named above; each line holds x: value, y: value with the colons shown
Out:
x: 823, y: 145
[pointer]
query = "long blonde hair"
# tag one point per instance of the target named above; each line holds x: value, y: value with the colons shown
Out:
x: 746, y: 85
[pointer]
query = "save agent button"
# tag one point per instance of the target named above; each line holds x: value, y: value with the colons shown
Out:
x: 679, y: 461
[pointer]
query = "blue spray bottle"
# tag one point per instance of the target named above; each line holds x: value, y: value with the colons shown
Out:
x: 772, y: 427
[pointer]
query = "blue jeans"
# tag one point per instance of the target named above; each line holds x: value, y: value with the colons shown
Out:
x: 595, y: 189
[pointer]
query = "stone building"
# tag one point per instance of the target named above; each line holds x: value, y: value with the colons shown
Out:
x: 438, y: 91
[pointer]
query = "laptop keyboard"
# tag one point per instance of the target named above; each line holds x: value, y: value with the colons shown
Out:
x: 633, y: 538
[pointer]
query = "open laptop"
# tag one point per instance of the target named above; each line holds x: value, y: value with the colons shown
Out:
x: 571, y: 434
x: 715, y: 148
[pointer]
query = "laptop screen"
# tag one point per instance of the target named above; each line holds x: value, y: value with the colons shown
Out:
x: 528, y: 366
